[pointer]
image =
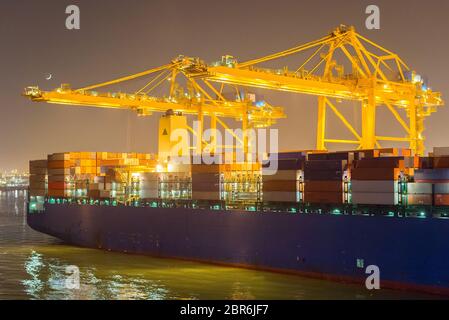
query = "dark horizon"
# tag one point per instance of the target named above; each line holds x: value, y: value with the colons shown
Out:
x: 117, y: 39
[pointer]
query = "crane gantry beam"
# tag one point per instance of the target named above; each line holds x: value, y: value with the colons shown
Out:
x: 195, y: 97
x: 377, y: 77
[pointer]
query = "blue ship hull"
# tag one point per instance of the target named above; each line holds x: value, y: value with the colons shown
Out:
x: 411, y: 253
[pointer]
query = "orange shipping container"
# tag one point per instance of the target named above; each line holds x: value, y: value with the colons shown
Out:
x: 441, y: 199
x: 85, y: 163
x: 86, y: 170
x: 111, y: 163
x: 419, y: 199
x: 112, y: 155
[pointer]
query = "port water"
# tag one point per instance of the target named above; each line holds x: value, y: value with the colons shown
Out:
x: 33, y: 266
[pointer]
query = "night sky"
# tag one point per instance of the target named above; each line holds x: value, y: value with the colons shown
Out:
x: 124, y: 37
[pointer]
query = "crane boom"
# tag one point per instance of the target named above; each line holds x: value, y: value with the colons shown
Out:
x: 377, y: 77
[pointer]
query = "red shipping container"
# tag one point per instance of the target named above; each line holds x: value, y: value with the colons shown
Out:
x: 323, y: 186
x: 375, y: 173
x: 205, y: 186
x: 205, y: 168
x: 440, y: 162
x: 58, y: 164
x: 57, y: 186
x: 389, y: 162
x: 323, y: 197
x: 283, y: 185
x: 441, y: 199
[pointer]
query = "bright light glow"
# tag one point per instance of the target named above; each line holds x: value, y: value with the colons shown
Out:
x: 159, y: 168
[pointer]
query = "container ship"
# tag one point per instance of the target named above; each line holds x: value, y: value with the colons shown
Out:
x: 322, y: 214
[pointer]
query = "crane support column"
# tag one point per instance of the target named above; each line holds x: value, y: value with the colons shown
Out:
x: 413, y: 128
x: 369, y: 122
x: 420, y: 128
x: 199, y: 134
x: 321, y: 124
x: 213, y: 127
x: 245, y: 133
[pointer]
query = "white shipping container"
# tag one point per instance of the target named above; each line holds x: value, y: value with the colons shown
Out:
x: 419, y: 188
x: 382, y: 198
x: 149, y: 185
x: 148, y: 194
x: 440, y: 151
x: 374, y: 186
x: 278, y: 196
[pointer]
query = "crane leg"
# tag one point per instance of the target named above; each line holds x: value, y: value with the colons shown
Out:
x: 199, y: 135
x: 369, y: 123
x: 321, y: 124
x: 413, y: 128
x: 213, y: 127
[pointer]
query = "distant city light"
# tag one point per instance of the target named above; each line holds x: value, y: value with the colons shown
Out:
x: 14, y: 179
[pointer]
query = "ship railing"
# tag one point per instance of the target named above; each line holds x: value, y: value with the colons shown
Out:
x: 399, y: 211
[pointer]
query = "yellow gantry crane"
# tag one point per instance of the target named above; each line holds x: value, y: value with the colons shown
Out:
x: 376, y: 77
x: 186, y: 96
x: 341, y: 66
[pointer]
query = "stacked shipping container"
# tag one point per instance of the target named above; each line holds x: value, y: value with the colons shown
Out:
x: 435, y: 170
x: 282, y: 177
x: 38, y: 178
x: 206, y: 181
x: 375, y: 180
x: 59, y: 178
x: 325, y: 175
x: 377, y: 177
x: 91, y: 174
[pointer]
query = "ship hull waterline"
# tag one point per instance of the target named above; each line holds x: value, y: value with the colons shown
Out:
x: 411, y: 253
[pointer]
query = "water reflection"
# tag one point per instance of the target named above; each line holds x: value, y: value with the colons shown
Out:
x: 33, y: 266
